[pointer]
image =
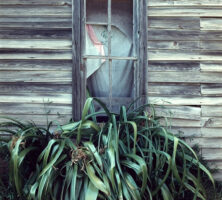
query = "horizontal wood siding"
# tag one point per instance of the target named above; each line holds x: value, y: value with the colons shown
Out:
x: 185, y: 65
x: 36, y: 60
x: 185, y: 70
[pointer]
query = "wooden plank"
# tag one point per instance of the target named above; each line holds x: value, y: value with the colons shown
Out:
x: 215, y: 165
x: 210, y: 35
x: 40, y: 22
x: 186, y: 132
x: 36, y: 44
x: 169, y: 89
x: 199, y: 11
x: 211, y: 67
x: 211, y: 89
x: 36, y: 19
x: 57, y: 98
x: 173, y: 66
x: 183, y: 35
x: 181, y: 77
x: 41, y: 119
x: 173, y: 35
x: 176, y: 100
x: 34, y: 109
x: 211, y: 101
x: 212, y: 154
x: 211, y: 132
x: 109, y: 57
x: 36, y: 76
x: 185, y: 77
x: 211, y: 45
x: 174, y: 55
x: 212, y: 122
x: 184, y: 3
x: 38, y: 65
x: 32, y: 10
x: 191, y: 23
x: 180, y: 122
x: 43, y: 88
x: 36, y: 33
x: 210, y: 23
x: 206, y: 142
x: 197, y: 3
x: 174, y: 45
x: 179, y: 112
x: 78, y: 72
x: 160, y: 3
x: 183, y: 55
x: 211, y: 111
x: 35, y: 55
x: 36, y: 2
x: 141, y: 50
x: 218, y: 175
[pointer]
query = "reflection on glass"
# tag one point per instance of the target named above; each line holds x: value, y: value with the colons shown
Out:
x: 122, y: 27
x: 96, y: 11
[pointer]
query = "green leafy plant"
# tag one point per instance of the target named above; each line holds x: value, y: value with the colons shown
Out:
x: 130, y: 156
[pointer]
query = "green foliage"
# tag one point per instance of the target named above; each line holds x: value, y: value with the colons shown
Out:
x: 130, y: 156
x: 6, y: 189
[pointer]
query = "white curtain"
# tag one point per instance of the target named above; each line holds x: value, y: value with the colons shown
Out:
x: 98, y: 69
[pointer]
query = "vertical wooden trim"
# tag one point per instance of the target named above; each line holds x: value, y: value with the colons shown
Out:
x: 145, y: 25
x: 83, y: 31
x: 110, y: 84
x: 136, y: 24
x: 78, y: 71
x: 140, y: 45
x: 135, y: 82
x: 143, y: 58
x: 83, y: 45
x: 109, y: 26
x: 109, y: 51
x: 135, y: 27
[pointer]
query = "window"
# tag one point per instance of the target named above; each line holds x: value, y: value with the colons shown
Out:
x: 109, y: 52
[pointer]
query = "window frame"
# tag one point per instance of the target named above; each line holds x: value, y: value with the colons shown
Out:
x: 79, y: 71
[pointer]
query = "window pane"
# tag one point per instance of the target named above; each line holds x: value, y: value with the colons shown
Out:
x: 121, y: 45
x: 96, y: 40
x: 122, y: 78
x: 112, y: 81
x: 122, y: 28
x: 105, y: 79
x: 96, y: 11
x: 98, y: 77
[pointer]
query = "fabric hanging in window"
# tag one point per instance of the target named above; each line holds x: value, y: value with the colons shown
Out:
x: 98, y: 69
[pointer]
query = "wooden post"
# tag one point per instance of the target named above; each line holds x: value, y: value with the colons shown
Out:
x: 143, y: 58
x: 78, y: 71
x: 140, y: 45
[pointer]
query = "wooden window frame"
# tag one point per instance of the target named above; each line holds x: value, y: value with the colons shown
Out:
x: 79, y: 72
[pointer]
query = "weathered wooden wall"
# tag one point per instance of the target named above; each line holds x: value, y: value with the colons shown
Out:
x: 185, y: 64
x: 36, y: 59
x: 185, y: 69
